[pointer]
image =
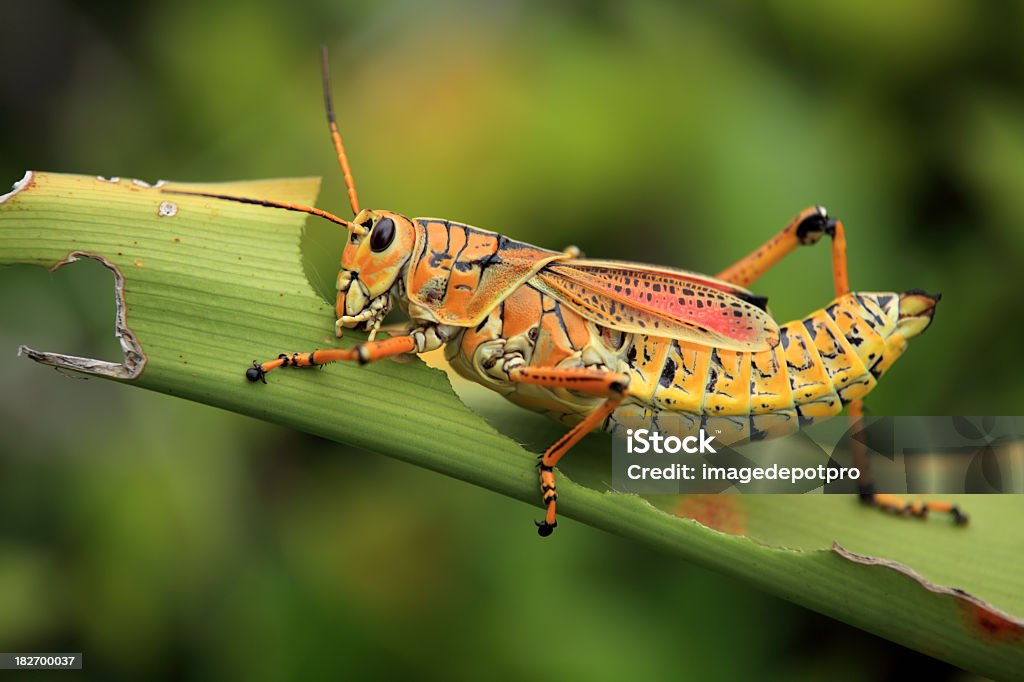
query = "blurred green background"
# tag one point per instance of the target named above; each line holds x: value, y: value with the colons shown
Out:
x: 171, y: 541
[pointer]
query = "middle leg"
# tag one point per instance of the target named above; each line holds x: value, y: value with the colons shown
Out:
x: 598, y: 382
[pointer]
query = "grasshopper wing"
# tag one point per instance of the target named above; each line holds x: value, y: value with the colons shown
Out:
x: 641, y: 299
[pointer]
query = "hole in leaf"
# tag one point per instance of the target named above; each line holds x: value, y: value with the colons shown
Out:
x: 71, y: 309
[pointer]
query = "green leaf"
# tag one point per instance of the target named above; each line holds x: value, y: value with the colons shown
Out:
x: 209, y: 285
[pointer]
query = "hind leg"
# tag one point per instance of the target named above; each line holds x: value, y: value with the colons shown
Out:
x: 805, y: 229
x: 809, y: 226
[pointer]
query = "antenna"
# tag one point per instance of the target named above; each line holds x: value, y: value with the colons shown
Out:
x: 351, y: 227
x: 339, y: 147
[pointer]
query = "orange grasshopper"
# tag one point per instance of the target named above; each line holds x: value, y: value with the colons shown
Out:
x: 611, y: 344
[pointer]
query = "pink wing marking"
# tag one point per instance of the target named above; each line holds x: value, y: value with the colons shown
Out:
x: 659, y: 302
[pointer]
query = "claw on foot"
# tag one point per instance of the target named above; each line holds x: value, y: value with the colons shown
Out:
x: 544, y: 528
x: 256, y: 373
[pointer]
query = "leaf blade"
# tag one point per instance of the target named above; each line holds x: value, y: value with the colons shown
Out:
x: 216, y: 285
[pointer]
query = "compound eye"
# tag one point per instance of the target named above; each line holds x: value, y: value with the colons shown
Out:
x: 383, y: 234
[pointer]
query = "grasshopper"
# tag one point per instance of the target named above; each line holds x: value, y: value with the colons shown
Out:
x: 611, y: 344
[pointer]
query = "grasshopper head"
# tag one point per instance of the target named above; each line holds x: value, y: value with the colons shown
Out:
x: 380, y: 244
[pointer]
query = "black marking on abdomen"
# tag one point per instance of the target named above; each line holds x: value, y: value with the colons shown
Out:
x: 668, y: 373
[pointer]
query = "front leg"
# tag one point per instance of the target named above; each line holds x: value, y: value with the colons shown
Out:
x: 419, y: 340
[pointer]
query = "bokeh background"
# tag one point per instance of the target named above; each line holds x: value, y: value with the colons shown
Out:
x: 168, y: 540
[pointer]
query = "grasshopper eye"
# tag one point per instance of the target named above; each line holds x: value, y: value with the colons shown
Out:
x: 383, y: 234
